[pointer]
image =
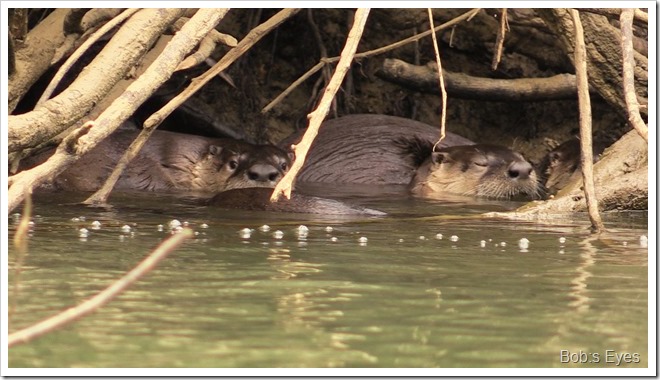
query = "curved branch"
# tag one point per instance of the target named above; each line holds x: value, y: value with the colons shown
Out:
x: 425, y: 78
x: 107, y: 295
x: 285, y: 185
x: 628, y: 75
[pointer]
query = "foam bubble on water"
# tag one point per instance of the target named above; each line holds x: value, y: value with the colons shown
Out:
x: 278, y: 234
x: 643, y: 241
x: 83, y: 232
x: 328, y: 229
x: 96, y: 225
x: 562, y: 240
x: 204, y: 225
x: 453, y: 238
x: 482, y: 243
x: 523, y: 244
x: 125, y: 228
x: 245, y: 233
x: 438, y: 236
x: 264, y: 228
x: 174, y: 224
x: 333, y: 239
x: 160, y: 228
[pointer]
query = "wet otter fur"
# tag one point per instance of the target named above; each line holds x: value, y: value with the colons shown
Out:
x: 562, y: 164
x: 172, y: 161
x: 479, y: 170
x: 258, y: 199
x: 368, y: 149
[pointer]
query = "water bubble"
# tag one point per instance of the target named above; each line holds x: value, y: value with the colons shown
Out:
x: 264, y: 228
x: 83, y: 232
x: 438, y: 236
x: 126, y: 228
x: 482, y: 243
x: 328, y: 229
x: 401, y: 240
x: 643, y: 241
x: 562, y: 240
x: 422, y: 237
x: 160, y: 228
x: 203, y: 225
x: 453, y: 238
x: 245, y: 233
x: 503, y: 244
x: 363, y: 240
x: 333, y: 239
x: 523, y: 244
x: 174, y: 224
x: 96, y: 225
x: 75, y: 219
x: 278, y: 234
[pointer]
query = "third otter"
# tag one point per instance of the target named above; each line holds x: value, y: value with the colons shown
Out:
x: 174, y: 161
x: 389, y: 150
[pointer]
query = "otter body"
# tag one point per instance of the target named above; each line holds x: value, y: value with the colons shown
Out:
x: 388, y: 150
x: 369, y: 149
x: 480, y: 170
x: 258, y: 199
x: 178, y: 162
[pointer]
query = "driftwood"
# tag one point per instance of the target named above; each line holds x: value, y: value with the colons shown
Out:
x: 463, y: 86
x: 55, y: 115
x: 71, y: 149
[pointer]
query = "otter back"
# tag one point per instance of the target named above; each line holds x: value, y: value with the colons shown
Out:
x: 258, y: 199
x: 369, y: 149
x: 174, y: 161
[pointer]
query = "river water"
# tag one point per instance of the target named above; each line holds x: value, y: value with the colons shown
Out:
x: 405, y: 290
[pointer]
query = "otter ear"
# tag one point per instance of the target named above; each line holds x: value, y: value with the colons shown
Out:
x: 215, y: 150
x: 439, y: 157
x: 291, y: 155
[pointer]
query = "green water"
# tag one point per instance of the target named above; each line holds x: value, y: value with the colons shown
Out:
x: 403, y: 298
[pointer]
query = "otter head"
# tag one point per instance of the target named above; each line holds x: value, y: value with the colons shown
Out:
x: 476, y: 170
x: 247, y: 165
x: 562, y: 164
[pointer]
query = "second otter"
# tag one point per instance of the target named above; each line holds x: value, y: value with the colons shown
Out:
x: 389, y: 150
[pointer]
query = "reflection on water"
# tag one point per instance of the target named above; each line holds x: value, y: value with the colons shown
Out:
x: 417, y: 293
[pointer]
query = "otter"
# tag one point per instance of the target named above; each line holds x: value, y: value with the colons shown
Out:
x: 481, y: 170
x: 562, y: 164
x: 172, y: 161
x: 389, y: 150
x: 258, y: 199
x: 369, y: 149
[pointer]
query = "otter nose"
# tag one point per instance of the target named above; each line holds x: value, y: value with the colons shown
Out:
x: 263, y: 173
x: 520, y: 170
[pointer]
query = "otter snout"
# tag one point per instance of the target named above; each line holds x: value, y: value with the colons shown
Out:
x: 263, y: 173
x: 520, y: 170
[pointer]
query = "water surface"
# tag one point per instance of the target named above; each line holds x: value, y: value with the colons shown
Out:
x: 398, y: 291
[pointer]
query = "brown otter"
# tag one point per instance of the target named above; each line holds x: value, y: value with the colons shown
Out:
x: 389, y: 150
x: 562, y: 164
x: 476, y: 170
x: 174, y: 161
x: 369, y: 149
x: 258, y: 199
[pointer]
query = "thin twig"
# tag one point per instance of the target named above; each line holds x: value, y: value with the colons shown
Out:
x: 630, y: 95
x: 285, y: 185
x: 465, y: 16
x: 246, y: 43
x: 443, y: 116
x: 499, y: 42
x: 585, y: 125
x: 105, y: 296
x: 64, y: 69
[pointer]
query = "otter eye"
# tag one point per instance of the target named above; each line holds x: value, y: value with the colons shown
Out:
x: 233, y: 164
x: 482, y: 163
x: 284, y: 166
